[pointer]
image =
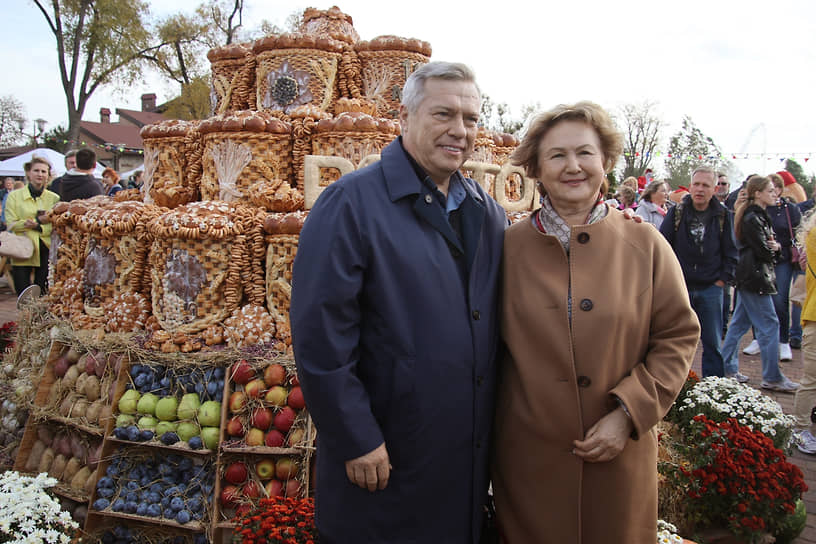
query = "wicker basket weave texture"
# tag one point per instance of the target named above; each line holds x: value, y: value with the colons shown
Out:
x: 270, y: 162
x: 281, y: 251
x: 354, y: 146
x: 383, y: 77
x: 310, y: 75
x: 232, y: 82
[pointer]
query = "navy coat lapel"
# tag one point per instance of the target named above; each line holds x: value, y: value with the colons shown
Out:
x: 428, y: 209
x: 473, y: 214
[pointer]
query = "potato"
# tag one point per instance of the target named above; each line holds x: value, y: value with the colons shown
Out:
x: 91, y: 389
x: 44, y: 435
x: 46, y: 460
x: 72, y: 355
x: 90, y: 482
x: 34, y: 456
x: 79, y: 386
x: 80, y: 408
x: 92, y: 413
x: 65, y: 408
x: 70, y: 378
x: 104, y: 415
x: 57, y: 467
x: 71, y: 468
x: 80, y: 478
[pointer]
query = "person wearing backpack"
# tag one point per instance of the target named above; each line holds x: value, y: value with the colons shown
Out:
x: 699, y: 231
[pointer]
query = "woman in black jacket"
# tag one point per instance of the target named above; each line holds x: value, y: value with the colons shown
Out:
x: 756, y: 284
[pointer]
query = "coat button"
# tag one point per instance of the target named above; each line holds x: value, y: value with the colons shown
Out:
x: 479, y: 380
x: 584, y: 381
x: 428, y: 199
x: 476, y: 315
x: 586, y: 305
x: 583, y: 238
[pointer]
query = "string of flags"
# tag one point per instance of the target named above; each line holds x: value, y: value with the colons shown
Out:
x: 782, y: 157
x: 106, y: 147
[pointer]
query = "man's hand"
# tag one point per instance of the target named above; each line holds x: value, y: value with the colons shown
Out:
x: 719, y: 283
x: 628, y: 213
x: 370, y: 471
x: 606, y: 439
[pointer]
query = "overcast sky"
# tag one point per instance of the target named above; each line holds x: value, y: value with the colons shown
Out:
x: 743, y: 70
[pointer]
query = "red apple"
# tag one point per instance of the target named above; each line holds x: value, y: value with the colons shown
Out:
x: 292, y: 488
x: 295, y: 399
x: 284, y: 419
x: 229, y: 495
x: 274, y: 488
x: 242, y: 372
x: 295, y: 437
x: 236, y: 473
x: 274, y: 374
x: 255, y: 388
x: 276, y: 396
x: 274, y: 439
x: 255, y: 437
x: 261, y: 418
x: 286, y: 468
x: 237, y: 401
x: 235, y: 427
x: 265, y: 469
x: 252, y: 489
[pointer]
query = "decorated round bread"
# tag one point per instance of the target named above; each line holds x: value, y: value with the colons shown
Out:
x: 212, y: 219
x: 245, y: 121
x: 167, y: 129
x: 395, y: 43
x: 332, y: 22
x: 228, y: 52
x: 284, y: 223
x: 118, y: 218
x: 297, y: 40
x: 358, y: 122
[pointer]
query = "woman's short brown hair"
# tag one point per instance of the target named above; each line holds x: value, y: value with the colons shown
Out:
x: 526, y: 154
x: 777, y: 180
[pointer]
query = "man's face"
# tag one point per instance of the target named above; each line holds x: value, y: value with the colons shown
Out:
x: 70, y: 162
x: 722, y: 186
x: 702, y: 188
x: 441, y: 133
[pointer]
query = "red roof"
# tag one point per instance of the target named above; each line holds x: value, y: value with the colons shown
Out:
x: 113, y: 133
x: 141, y: 118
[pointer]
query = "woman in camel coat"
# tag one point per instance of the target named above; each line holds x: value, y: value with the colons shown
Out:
x: 600, y: 337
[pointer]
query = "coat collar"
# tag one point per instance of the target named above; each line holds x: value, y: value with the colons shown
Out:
x: 401, y: 179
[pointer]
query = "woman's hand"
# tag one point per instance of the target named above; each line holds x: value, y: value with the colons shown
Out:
x: 606, y: 439
x: 30, y: 224
x: 773, y: 245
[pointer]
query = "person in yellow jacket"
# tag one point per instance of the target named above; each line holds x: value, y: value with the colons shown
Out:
x: 805, y: 398
x: 25, y: 209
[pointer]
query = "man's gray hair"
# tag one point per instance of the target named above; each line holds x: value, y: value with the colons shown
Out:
x: 705, y: 169
x: 69, y: 154
x: 414, y: 90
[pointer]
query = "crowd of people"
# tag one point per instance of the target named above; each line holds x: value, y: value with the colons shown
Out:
x: 24, y: 206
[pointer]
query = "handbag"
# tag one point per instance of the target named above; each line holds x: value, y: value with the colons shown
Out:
x: 15, y: 246
x: 795, y: 251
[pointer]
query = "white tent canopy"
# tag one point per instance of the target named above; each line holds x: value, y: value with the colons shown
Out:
x: 14, y: 165
x: 126, y: 175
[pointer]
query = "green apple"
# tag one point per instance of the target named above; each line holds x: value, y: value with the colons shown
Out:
x: 186, y: 430
x: 129, y: 401
x: 209, y: 415
x: 189, y: 405
x: 125, y: 420
x: 147, y: 422
x: 166, y: 427
x: 147, y: 404
x: 209, y: 435
x: 166, y: 408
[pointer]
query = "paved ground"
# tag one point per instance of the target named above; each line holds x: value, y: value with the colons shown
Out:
x: 749, y: 365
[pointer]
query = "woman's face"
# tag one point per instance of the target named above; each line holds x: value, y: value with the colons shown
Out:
x: 777, y: 190
x: 660, y: 196
x: 767, y: 196
x: 38, y: 175
x: 570, y: 165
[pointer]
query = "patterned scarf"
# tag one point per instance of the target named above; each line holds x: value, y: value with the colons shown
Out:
x: 548, y: 221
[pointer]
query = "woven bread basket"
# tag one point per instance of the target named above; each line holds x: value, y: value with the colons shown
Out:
x: 233, y: 77
x: 352, y: 136
x: 199, y: 256
x: 294, y: 70
x: 329, y: 22
x: 172, y: 162
x: 241, y: 150
x: 385, y: 64
x: 282, y: 234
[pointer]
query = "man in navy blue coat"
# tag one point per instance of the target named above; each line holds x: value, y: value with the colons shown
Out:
x: 395, y: 329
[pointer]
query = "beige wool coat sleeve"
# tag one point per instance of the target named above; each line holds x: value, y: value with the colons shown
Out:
x: 633, y: 335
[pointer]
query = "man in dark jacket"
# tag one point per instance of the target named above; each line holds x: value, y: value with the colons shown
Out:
x: 79, y: 182
x: 395, y: 329
x: 702, y: 236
